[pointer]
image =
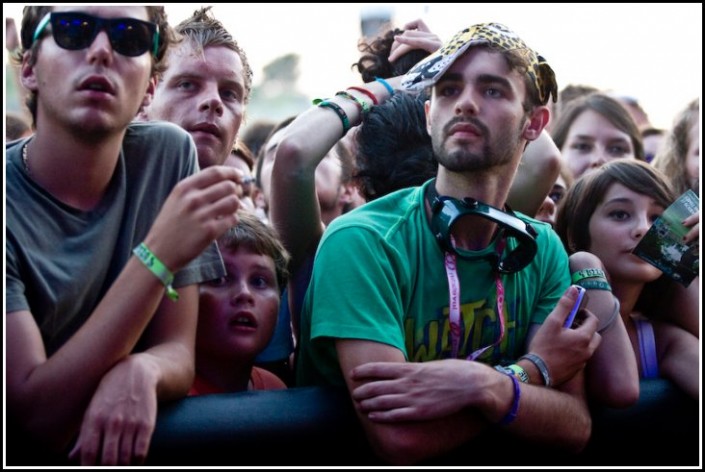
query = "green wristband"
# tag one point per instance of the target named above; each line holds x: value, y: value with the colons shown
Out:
x: 156, y: 267
x: 587, y: 274
x: 338, y: 111
x: 599, y: 284
x: 362, y: 105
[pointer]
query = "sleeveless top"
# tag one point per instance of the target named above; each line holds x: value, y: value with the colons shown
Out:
x: 647, y: 347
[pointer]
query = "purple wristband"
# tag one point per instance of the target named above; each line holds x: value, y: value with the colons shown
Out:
x: 512, y: 414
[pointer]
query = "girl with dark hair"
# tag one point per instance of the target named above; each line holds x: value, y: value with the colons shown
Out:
x: 606, y: 213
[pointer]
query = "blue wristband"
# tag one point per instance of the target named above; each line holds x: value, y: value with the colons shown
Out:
x: 386, y: 85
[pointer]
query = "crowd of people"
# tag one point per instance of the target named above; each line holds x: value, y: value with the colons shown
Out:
x: 417, y: 238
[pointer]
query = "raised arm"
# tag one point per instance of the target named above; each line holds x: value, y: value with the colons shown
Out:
x: 294, y: 206
x: 416, y: 35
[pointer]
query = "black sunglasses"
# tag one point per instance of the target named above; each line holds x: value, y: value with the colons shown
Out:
x: 73, y: 31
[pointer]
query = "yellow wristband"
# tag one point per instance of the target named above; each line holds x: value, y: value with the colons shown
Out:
x: 519, y: 373
x: 156, y: 267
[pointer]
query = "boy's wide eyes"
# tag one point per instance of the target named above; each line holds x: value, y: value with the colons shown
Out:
x: 260, y: 282
x: 256, y: 281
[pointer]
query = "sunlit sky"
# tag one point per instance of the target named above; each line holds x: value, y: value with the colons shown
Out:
x: 650, y: 52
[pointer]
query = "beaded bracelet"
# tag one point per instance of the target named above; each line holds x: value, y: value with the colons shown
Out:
x: 540, y: 365
x: 362, y: 105
x: 338, y: 111
x: 364, y: 91
x: 512, y: 413
x: 157, y: 268
x: 386, y: 85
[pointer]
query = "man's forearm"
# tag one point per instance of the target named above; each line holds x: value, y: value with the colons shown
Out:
x: 552, y: 416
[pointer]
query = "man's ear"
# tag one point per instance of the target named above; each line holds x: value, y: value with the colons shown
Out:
x: 350, y: 197
x: 27, y: 76
x: 142, y: 114
x: 427, y: 111
x: 149, y: 93
x: 538, y: 119
x: 346, y: 194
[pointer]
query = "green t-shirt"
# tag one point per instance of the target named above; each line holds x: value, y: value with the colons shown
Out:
x: 379, y: 275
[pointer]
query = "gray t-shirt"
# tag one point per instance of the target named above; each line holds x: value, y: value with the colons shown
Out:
x: 61, y: 261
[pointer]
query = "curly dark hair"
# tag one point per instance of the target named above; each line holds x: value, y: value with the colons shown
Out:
x: 374, y: 61
x: 394, y: 150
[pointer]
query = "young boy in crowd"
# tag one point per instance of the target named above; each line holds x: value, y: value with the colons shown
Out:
x: 238, y: 312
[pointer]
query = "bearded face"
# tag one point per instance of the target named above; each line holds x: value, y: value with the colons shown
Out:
x: 476, y: 116
x: 483, y: 151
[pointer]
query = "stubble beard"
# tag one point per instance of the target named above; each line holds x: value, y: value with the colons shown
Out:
x: 90, y: 131
x: 95, y: 127
x: 494, y: 152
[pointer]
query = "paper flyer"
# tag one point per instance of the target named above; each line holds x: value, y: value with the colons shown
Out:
x: 663, y: 247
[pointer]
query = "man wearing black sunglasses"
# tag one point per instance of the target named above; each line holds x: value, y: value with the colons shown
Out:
x: 108, y: 237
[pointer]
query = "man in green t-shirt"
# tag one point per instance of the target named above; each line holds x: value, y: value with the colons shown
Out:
x: 416, y: 296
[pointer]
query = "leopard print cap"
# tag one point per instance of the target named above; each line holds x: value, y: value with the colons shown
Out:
x: 427, y: 72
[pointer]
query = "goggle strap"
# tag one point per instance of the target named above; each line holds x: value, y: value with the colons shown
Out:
x: 40, y: 27
x: 156, y: 41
